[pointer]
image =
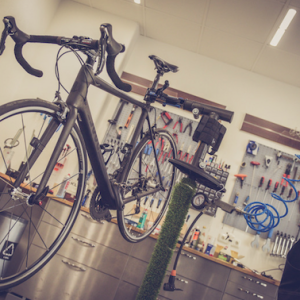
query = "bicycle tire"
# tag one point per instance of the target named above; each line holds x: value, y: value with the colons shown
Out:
x: 34, y: 233
x: 156, y: 204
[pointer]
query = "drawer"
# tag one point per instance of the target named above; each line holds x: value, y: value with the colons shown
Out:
x: 229, y: 297
x: 107, y: 233
x: 202, y: 271
x: 144, y: 249
x: 84, y: 251
x: 247, y: 293
x: 253, y: 284
x: 191, y: 290
x: 126, y: 291
x: 58, y: 280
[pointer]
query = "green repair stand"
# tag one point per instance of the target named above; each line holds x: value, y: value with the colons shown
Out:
x: 167, y: 240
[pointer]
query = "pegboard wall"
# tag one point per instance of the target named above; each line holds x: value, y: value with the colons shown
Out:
x: 120, y: 133
x: 123, y: 125
x: 270, y: 164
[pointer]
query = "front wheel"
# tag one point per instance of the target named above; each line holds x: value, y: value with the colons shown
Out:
x: 32, y: 232
x: 145, y: 199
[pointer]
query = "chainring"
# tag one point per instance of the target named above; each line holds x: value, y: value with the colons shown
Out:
x: 98, y: 211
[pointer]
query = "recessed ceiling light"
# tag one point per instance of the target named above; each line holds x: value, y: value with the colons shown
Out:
x: 283, y: 26
x: 137, y: 1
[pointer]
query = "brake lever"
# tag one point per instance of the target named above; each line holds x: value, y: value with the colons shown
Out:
x: 101, y: 53
x: 5, y: 33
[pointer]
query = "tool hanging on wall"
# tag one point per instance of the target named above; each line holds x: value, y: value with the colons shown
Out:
x: 167, y: 119
x: 130, y: 116
x: 116, y: 118
x: 241, y: 177
x: 190, y: 127
x: 255, y: 164
x: 268, y: 160
x: 180, y: 124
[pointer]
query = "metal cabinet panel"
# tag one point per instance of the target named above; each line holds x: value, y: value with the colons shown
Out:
x: 107, y: 233
x: 202, y: 271
x: 251, y: 282
x: 135, y: 271
x: 143, y: 250
x: 84, y: 251
x: 60, y: 281
x: 192, y: 290
x: 99, y: 257
x: 126, y: 291
x: 229, y: 297
x: 234, y: 289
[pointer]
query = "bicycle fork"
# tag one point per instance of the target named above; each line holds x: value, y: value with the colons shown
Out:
x: 39, y: 145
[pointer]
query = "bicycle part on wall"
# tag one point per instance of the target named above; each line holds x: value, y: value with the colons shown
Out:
x: 264, y: 168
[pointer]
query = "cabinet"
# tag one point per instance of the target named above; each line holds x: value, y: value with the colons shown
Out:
x: 95, y: 262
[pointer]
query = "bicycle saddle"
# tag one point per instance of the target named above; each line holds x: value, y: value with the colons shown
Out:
x: 162, y: 65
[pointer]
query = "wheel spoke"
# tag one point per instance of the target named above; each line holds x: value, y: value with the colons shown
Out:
x: 22, y: 223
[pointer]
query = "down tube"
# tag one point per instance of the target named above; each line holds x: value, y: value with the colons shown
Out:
x: 92, y: 144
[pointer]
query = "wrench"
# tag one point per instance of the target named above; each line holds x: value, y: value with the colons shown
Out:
x: 266, y: 246
x: 286, y: 247
x: 275, y: 244
x: 279, y: 244
x: 283, y: 244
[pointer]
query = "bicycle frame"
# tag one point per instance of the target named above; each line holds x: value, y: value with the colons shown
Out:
x: 78, y: 110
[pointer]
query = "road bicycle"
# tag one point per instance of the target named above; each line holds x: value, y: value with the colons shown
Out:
x: 55, y: 138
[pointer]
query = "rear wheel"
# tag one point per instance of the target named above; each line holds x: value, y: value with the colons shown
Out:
x: 32, y: 232
x: 144, y: 214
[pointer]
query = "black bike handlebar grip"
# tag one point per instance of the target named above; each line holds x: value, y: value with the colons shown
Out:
x: 225, y: 115
x: 24, y: 63
x: 110, y: 66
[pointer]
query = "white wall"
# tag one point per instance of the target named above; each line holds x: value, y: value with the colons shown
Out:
x: 33, y: 17
x: 242, y: 92
x: 69, y: 19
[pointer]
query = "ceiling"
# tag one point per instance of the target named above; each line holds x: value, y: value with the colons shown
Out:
x: 237, y: 32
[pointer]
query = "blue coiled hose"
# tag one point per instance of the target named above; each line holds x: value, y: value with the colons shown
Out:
x: 264, y: 217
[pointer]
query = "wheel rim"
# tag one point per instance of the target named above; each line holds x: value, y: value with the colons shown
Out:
x: 154, y: 204
x: 31, y: 233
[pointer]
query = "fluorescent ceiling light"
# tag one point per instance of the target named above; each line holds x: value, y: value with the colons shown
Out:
x: 283, y: 26
x: 137, y: 1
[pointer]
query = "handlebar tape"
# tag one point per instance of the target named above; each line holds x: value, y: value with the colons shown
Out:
x: 110, y: 66
x: 21, y: 60
x: 113, y: 48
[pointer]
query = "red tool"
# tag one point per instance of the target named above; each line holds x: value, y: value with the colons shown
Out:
x: 130, y: 116
x: 167, y: 119
x: 241, y: 177
x: 187, y: 154
x: 180, y: 124
x: 180, y: 153
x: 275, y: 187
x: 176, y: 136
x: 286, y: 174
